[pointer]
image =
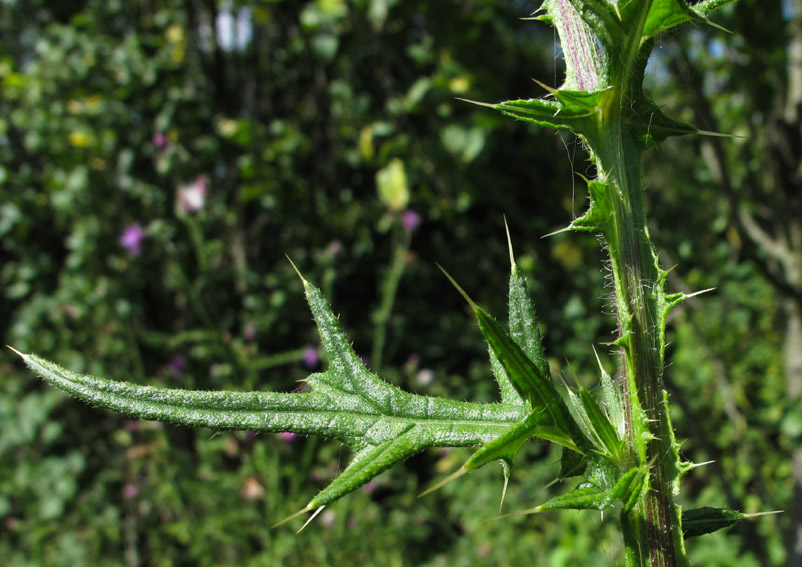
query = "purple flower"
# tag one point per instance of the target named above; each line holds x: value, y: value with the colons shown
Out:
x: 249, y: 332
x: 411, y: 220
x: 130, y: 491
x: 160, y: 141
x: 335, y: 247
x: 132, y: 237
x: 310, y: 357
x: 177, y: 365
x: 287, y: 437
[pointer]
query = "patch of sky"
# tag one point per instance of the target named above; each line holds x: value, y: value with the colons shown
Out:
x: 234, y: 27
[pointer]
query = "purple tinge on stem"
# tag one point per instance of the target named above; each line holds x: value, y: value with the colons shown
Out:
x: 131, y: 238
x: 411, y: 220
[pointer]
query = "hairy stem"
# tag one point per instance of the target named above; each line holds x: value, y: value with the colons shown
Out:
x: 652, y: 530
x: 652, y: 527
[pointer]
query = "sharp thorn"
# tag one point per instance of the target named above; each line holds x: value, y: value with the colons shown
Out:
x: 568, y: 228
x: 545, y: 86
x: 462, y: 292
x: 509, y: 243
x: 312, y: 517
x: 503, y: 492
x: 477, y: 103
x: 527, y: 512
x: 16, y: 351
x: 757, y: 514
x: 294, y: 267
x: 694, y: 294
x: 461, y: 471
x: 291, y: 517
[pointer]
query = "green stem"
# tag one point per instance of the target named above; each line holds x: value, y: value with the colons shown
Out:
x: 651, y: 530
x: 389, y: 289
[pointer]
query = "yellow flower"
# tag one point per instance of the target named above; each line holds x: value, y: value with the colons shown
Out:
x: 80, y: 139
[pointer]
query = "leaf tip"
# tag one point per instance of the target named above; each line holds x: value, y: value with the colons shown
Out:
x: 598, y: 360
x: 312, y: 517
x: 545, y: 87
x: 303, y: 510
x: 758, y: 514
x: 509, y: 242
x: 477, y: 103
x: 22, y: 356
x: 504, y: 492
x: 462, y: 292
x: 294, y: 267
x: 568, y: 228
x: 453, y: 476
x: 535, y: 510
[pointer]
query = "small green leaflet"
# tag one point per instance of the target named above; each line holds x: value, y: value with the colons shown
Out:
x: 627, y: 490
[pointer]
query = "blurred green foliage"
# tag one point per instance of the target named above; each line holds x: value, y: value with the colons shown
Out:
x: 158, y: 160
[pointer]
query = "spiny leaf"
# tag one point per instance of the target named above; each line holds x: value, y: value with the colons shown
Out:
x: 554, y: 113
x: 666, y: 14
x: 523, y: 323
x: 508, y: 443
x: 651, y: 126
x: 509, y: 394
x: 627, y: 490
x: 368, y: 463
x: 611, y: 397
x: 597, y: 217
x: 384, y: 424
x: 528, y: 335
x: 587, y: 498
x: 700, y: 521
x: 579, y: 412
x: 523, y: 330
x: 543, y: 113
x: 602, y: 428
x: 629, y: 487
x: 705, y: 7
x: 527, y: 378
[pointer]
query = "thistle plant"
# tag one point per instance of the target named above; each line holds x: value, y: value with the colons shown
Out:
x: 620, y: 446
